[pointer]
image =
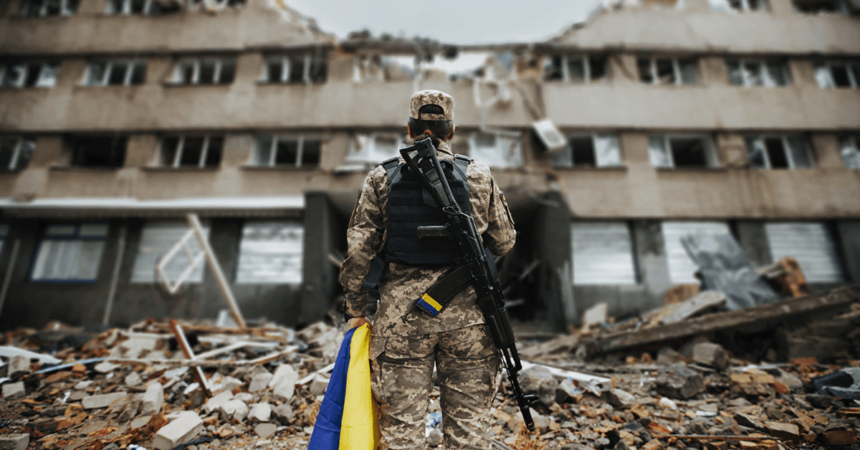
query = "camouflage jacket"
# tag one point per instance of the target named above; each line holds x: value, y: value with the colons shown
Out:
x: 401, y: 285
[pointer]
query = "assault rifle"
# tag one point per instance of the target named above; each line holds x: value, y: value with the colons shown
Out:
x: 422, y: 161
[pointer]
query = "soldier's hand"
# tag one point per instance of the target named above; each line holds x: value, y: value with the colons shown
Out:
x: 356, y: 322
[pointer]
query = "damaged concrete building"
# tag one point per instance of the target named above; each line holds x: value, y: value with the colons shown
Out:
x: 117, y: 117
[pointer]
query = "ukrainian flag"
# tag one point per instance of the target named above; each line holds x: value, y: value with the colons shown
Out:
x: 347, y: 419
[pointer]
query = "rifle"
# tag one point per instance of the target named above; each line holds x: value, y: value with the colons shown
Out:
x: 461, y: 227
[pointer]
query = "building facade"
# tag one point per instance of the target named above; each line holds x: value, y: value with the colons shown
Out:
x: 117, y: 117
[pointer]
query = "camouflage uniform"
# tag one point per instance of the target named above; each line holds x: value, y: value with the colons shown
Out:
x: 405, y: 342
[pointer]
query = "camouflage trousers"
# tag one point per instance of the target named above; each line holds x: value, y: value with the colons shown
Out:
x: 467, y: 366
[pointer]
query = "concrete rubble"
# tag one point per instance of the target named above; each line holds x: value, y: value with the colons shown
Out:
x: 262, y: 387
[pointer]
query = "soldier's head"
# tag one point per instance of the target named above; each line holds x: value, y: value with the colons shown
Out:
x: 431, y: 114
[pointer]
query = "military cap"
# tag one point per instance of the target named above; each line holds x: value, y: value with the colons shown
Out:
x: 431, y: 97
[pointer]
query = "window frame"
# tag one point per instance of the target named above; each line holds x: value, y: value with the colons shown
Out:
x: 354, y: 157
x: 764, y: 6
x: 676, y: 70
x: 300, y: 147
x: 586, y: 60
x: 852, y: 77
x: 126, y: 9
x: 197, y: 62
x: 594, y: 136
x: 74, y: 146
x: 285, y: 60
x: 711, y: 148
x: 243, y: 258
x: 767, y: 80
x: 789, y: 156
x: 43, y: 9
x: 22, y: 84
x: 16, y: 154
x: 180, y: 146
x: 854, y: 143
x: 109, y: 64
x: 73, y: 237
x: 518, y: 159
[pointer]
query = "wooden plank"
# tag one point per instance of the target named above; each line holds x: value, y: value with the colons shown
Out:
x: 750, y: 320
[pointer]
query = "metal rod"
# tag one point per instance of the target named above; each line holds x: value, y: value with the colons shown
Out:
x: 220, y: 279
x: 7, y: 278
x: 120, y: 252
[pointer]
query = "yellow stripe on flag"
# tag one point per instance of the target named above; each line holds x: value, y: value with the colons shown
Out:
x: 427, y: 298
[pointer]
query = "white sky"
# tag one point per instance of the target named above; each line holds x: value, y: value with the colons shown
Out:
x: 449, y: 21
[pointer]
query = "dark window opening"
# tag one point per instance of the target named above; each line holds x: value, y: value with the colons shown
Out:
x: 689, y: 152
x: 274, y: 71
x: 168, y: 150
x: 228, y: 71
x: 840, y: 76
x: 138, y: 74
x: 107, y: 152
x: 33, y: 71
x: 644, y: 65
x: 117, y: 74
x: 776, y: 153
x: 207, y: 72
x: 583, y: 151
x: 319, y: 70
x: 297, y: 70
x: 665, y: 71
x: 311, y: 153
x: 552, y: 70
x: 192, y: 149
x: 816, y: 6
x: 214, y: 151
x: 286, y: 152
x: 598, y: 67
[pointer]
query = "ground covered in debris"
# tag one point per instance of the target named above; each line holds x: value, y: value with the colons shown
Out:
x: 199, y: 387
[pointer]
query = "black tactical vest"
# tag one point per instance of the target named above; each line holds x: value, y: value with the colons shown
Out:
x: 411, y: 206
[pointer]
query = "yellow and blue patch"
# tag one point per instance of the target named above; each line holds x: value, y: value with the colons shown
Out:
x: 429, y: 305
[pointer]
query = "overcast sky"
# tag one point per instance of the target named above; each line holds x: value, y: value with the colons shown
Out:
x: 449, y: 21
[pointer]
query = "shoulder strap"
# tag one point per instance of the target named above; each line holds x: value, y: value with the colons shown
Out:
x: 391, y: 167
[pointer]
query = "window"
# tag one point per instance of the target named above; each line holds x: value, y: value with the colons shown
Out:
x: 849, y: 147
x: 156, y: 239
x: 757, y: 73
x: 99, y: 151
x: 602, y: 253
x: 70, y: 252
x: 844, y: 7
x: 577, y: 68
x: 270, y: 253
x: 374, y: 148
x: 116, y: 73
x: 15, y: 152
x: 778, y: 152
x: 495, y: 150
x: 668, y: 70
x: 151, y: 7
x: 840, y: 74
x: 192, y: 151
x: 275, y: 150
x: 45, y: 8
x: 589, y: 150
x: 218, y: 4
x: 739, y: 5
x: 29, y: 74
x: 205, y: 71
x: 811, y: 244
x: 306, y: 68
x: 668, y: 151
x: 681, y: 267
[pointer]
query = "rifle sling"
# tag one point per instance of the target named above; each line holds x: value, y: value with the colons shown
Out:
x: 443, y: 291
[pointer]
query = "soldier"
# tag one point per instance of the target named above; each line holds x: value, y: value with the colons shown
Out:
x: 406, y: 343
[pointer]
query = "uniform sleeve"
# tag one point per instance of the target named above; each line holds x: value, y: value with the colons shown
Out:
x: 364, y: 241
x: 501, y: 234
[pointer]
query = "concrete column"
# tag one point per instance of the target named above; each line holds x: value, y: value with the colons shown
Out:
x: 319, y: 277
x: 554, y: 241
x: 623, y: 68
x: 651, y: 262
x: 698, y: 5
x: 753, y: 241
x: 732, y: 150
x: 849, y: 239
x: 826, y: 150
x: 782, y: 7
x: 238, y: 149
x: 714, y: 71
x: 142, y: 150
x: 802, y: 73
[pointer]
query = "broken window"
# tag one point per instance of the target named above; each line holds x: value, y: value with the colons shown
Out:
x: 667, y: 151
x: 668, y: 71
x: 156, y: 239
x: 270, y: 253
x: 495, y: 150
x: 849, y: 147
x: 45, y: 8
x: 374, y: 148
x: 28, y: 74
x: 99, y: 151
x: 133, y: 7
x: 844, y: 7
x: 739, y: 5
x: 589, y: 150
x: 70, y: 252
x: 217, y: 4
x: 577, y: 68
x: 757, y: 72
x: 296, y: 68
x: 205, y: 71
x: 840, y: 74
x: 192, y: 151
x: 273, y: 150
x: 778, y: 152
x: 371, y: 68
x: 811, y: 244
x: 116, y: 73
x: 681, y: 267
x: 15, y: 152
x: 602, y: 253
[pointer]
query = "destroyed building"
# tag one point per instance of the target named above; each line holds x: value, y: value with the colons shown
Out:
x: 117, y: 117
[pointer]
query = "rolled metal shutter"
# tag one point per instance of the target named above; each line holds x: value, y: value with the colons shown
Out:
x: 602, y: 253
x: 811, y: 244
x: 681, y: 267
